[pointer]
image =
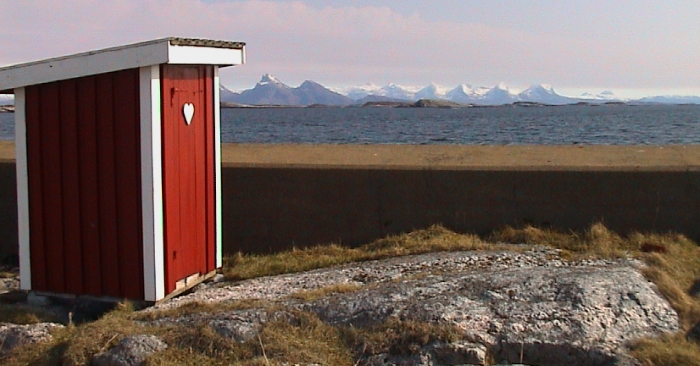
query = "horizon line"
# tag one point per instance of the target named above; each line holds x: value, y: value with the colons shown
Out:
x: 568, y: 92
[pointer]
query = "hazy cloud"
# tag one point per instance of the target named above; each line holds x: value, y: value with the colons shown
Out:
x: 568, y: 44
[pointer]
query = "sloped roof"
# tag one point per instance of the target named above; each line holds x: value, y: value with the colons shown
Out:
x: 170, y: 50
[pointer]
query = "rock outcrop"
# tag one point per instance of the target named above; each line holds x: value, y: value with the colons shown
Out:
x: 130, y: 351
x: 13, y: 335
x: 522, y: 306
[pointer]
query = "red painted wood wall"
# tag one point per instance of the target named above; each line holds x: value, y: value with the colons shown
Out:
x: 188, y: 172
x: 84, y: 163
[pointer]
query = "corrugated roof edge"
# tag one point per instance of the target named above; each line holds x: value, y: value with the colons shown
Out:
x: 197, y: 42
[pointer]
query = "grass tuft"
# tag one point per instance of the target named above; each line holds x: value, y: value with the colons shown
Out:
x: 244, y: 266
x: 597, y: 241
x: 204, y: 343
x: 74, y: 345
x: 196, y: 307
x: 397, y: 337
x: 536, y: 236
x: 308, y: 341
x: 8, y: 272
x: 26, y: 315
x: 433, y: 239
x: 338, y: 288
x: 671, y: 350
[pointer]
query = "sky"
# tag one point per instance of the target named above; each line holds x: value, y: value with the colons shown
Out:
x: 632, y: 47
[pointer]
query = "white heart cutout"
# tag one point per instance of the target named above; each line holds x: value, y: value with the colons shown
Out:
x: 188, y: 112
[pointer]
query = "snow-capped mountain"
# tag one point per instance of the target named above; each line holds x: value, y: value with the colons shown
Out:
x: 226, y: 94
x: 311, y: 92
x: 398, y: 92
x: 432, y: 91
x: 271, y: 91
x: 468, y: 94
x: 671, y: 99
x: 268, y: 79
x: 543, y: 93
x: 499, y: 94
x: 465, y: 93
x: 358, y: 92
x: 375, y: 93
x: 606, y: 95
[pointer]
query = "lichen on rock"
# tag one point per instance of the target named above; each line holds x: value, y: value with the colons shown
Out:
x: 521, y: 306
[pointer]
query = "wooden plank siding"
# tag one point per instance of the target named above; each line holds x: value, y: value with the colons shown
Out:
x: 83, y: 157
x: 188, y: 172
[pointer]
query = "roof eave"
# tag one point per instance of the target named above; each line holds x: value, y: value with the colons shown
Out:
x: 160, y: 51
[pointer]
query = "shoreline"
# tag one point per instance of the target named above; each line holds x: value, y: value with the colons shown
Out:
x: 455, y: 157
x: 466, y: 157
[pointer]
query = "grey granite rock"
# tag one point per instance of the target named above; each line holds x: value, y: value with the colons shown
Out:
x: 9, y: 284
x: 240, y: 326
x: 458, y: 353
x: 130, y: 351
x: 525, y: 306
x: 434, y: 354
x: 552, y: 316
x: 13, y: 335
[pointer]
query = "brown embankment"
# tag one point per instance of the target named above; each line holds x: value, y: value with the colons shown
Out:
x: 280, y: 196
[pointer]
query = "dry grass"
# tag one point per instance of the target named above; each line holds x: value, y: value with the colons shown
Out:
x: 74, y: 345
x: 338, y: 288
x: 25, y: 315
x: 672, y: 350
x: 597, y: 241
x: 397, y: 337
x: 201, y: 345
x: 309, y: 341
x: 434, y: 239
x: 196, y: 307
x: 306, y: 341
x: 8, y: 272
x: 41, y: 354
x: 673, y: 265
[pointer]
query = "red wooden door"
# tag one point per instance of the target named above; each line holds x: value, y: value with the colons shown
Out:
x: 188, y: 171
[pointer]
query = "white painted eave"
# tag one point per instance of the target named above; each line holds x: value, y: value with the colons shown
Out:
x: 149, y: 53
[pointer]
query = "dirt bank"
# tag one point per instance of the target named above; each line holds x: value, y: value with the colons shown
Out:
x: 535, y: 157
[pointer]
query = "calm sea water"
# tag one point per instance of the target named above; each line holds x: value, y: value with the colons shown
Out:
x: 608, y: 125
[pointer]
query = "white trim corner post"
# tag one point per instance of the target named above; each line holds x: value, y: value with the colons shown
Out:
x: 152, y: 184
x: 25, y: 262
x: 217, y: 165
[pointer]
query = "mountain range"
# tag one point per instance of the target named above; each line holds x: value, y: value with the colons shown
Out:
x: 271, y: 91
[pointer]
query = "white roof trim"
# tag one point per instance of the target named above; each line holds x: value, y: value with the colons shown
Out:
x: 155, y: 52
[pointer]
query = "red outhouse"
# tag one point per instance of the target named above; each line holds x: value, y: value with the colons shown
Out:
x: 118, y: 168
